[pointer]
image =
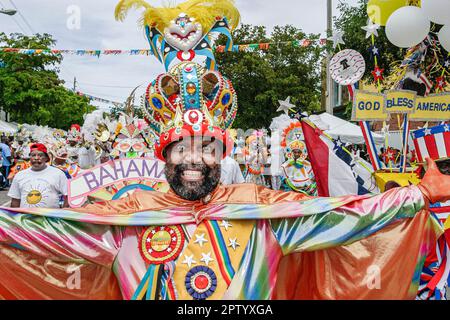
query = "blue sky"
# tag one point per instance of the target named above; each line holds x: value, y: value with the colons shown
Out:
x: 113, y: 77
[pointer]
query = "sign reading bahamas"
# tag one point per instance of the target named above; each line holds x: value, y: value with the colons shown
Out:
x: 116, y: 179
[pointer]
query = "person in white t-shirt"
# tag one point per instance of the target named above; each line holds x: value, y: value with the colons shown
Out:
x: 40, y: 186
x: 230, y: 172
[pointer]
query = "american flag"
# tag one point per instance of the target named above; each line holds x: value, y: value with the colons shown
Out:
x: 432, y: 142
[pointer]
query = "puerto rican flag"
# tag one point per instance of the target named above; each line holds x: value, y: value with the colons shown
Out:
x: 337, y: 173
x: 432, y: 142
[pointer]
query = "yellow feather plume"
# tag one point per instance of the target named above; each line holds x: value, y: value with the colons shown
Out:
x: 204, y: 11
x: 124, y: 6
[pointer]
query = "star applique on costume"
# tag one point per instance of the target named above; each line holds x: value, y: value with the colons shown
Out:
x: 200, y: 239
x: 206, y: 258
x: 189, y: 260
x: 226, y: 224
x: 233, y: 243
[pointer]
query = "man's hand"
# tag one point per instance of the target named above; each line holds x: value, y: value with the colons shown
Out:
x: 435, y: 186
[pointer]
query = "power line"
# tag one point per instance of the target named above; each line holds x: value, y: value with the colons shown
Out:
x: 98, y: 95
x: 104, y: 86
x: 23, y: 18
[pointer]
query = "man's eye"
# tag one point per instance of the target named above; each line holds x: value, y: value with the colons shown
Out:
x: 208, y: 149
x: 180, y: 148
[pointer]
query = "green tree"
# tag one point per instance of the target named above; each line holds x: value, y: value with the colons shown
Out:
x: 30, y: 90
x: 262, y: 77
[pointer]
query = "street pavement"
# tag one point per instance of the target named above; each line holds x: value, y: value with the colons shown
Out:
x: 4, y: 199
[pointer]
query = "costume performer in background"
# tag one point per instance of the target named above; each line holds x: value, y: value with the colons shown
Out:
x: 21, y: 151
x: 298, y: 173
x: 205, y: 241
x: 255, y: 158
x: 74, y: 138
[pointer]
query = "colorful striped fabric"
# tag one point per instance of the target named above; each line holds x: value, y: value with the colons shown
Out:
x: 220, y: 250
x: 370, y: 145
x: 186, y: 215
x: 328, y: 228
x: 405, y: 138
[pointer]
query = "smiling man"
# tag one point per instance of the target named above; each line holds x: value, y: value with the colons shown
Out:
x: 39, y: 186
x: 193, y: 168
x: 202, y: 240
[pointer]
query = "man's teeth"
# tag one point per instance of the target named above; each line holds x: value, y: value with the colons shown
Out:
x: 192, y: 174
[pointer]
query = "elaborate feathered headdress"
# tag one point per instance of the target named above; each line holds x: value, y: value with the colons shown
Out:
x: 74, y: 134
x: 185, y: 30
x: 130, y: 138
x: 190, y: 99
x: 293, y: 139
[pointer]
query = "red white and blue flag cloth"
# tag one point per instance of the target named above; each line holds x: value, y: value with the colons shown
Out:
x: 432, y: 142
x: 337, y: 173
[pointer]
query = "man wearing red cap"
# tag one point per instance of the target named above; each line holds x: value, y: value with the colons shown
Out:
x: 40, y: 186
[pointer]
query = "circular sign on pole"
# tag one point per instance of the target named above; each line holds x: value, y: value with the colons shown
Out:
x: 347, y: 67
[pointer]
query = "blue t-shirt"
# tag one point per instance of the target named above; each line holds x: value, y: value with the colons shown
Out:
x: 6, y: 152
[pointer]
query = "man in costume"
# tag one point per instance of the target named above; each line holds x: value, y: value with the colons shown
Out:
x: 255, y: 158
x: 205, y: 241
x: 21, y: 152
x: 73, y: 140
x: 298, y: 173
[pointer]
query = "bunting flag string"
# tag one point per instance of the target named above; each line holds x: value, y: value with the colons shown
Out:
x: 144, y: 52
x: 115, y: 103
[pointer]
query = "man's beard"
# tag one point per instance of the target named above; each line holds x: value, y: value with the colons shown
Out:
x: 192, y: 190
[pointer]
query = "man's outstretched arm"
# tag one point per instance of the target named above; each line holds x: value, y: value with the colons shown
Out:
x: 61, y: 239
x: 360, y: 218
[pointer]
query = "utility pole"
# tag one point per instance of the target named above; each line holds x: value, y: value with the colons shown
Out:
x: 330, y: 84
x: 75, y: 84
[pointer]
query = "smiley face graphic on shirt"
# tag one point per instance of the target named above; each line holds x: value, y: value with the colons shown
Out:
x: 34, y: 197
x: 36, y: 194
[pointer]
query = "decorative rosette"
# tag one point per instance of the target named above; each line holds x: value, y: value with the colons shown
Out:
x: 201, y: 282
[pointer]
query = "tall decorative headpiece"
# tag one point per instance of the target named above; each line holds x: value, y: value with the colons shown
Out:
x: 74, y: 134
x: 186, y: 30
x: 190, y: 99
x: 130, y: 139
x: 292, y: 139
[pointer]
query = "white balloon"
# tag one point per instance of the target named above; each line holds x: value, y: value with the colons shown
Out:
x: 444, y: 37
x: 437, y: 11
x: 407, y: 27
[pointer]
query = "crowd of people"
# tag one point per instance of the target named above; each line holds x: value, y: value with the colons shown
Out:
x: 37, y: 166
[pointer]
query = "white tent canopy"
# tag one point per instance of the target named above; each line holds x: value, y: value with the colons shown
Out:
x: 345, y: 130
x: 8, y: 128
